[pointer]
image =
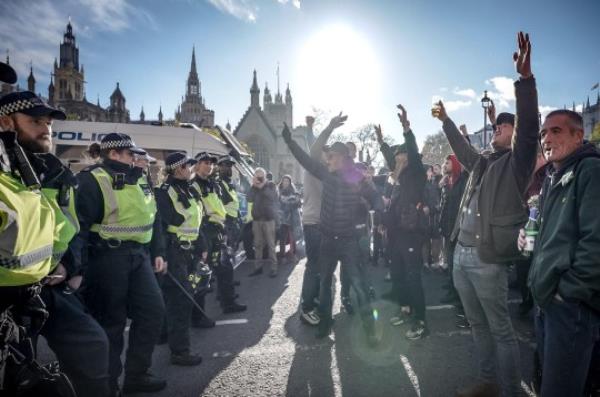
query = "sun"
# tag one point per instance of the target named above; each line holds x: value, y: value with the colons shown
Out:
x: 337, y: 70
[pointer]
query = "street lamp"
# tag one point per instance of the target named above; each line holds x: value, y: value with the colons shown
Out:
x: 486, y: 102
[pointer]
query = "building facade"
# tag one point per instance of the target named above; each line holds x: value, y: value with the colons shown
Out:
x: 260, y: 129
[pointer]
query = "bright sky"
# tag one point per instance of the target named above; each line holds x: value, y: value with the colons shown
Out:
x: 360, y: 57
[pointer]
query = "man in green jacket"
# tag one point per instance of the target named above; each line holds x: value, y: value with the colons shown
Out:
x: 492, y: 211
x: 565, y: 272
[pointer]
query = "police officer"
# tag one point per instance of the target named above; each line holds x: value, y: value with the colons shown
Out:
x: 122, y: 246
x: 213, y: 228
x: 230, y: 200
x: 75, y: 337
x: 181, y: 216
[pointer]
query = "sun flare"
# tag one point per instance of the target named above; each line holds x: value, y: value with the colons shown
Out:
x: 337, y: 69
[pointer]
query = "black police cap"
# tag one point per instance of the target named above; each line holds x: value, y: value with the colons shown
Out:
x: 178, y: 159
x: 118, y: 140
x: 28, y: 103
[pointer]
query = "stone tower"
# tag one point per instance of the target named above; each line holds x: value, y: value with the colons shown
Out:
x: 68, y: 74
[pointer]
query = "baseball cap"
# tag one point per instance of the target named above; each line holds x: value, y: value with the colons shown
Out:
x: 28, y: 103
x: 118, y: 140
x: 339, y: 148
x: 505, y: 117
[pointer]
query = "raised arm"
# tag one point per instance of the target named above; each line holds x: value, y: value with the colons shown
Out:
x: 317, y: 148
x: 465, y: 153
x: 311, y: 165
x: 412, y: 150
x: 525, y: 137
x: 386, y: 150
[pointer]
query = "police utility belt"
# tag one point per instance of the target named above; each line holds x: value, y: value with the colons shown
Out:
x: 185, y: 245
x: 98, y: 242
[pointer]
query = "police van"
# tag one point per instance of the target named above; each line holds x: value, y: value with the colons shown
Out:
x: 72, y: 138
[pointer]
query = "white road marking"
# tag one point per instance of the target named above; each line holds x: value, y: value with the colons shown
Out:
x: 233, y: 321
x: 414, y: 379
x: 527, y: 390
x: 335, y: 374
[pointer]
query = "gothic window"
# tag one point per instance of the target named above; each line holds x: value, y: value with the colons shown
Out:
x: 260, y: 151
x: 193, y: 89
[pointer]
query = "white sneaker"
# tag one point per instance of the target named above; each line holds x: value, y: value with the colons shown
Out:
x: 311, y: 317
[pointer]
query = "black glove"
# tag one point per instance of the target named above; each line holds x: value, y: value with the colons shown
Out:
x: 286, y: 134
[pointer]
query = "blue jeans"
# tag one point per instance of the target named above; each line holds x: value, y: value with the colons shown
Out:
x: 566, y: 332
x: 310, y: 283
x: 483, y: 290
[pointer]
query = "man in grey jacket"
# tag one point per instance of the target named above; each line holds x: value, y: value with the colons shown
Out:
x: 492, y: 210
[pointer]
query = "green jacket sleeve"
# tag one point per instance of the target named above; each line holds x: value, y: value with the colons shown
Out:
x: 386, y: 150
x: 581, y: 280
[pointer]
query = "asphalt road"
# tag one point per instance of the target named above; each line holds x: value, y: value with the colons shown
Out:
x: 267, y: 351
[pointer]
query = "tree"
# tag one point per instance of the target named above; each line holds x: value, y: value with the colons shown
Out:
x: 436, y: 148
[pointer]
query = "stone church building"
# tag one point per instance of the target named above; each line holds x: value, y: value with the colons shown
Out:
x: 260, y: 129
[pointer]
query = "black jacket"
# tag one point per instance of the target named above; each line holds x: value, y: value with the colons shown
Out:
x: 408, y: 192
x: 344, y: 194
x: 503, y: 177
x: 450, y: 204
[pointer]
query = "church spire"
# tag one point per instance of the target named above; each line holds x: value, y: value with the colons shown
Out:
x: 193, y: 66
x: 142, y: 115
x: 288, y: 95
x: 278, y: 98
x: 7, y: 57
x: 254, y: 93
x: 267, y: 99
x: 160, y: 114
x: 31, y: 79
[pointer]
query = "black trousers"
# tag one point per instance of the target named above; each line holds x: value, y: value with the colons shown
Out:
x: 120, y: 284
x: 345, y: 250
x: 405, y: 268
x: 248, y: 241
x: 221, y: 267
x: 177, y: 304
x: 78, y: 341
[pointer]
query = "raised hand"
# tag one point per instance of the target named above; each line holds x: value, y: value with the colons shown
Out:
x: 523, y: 57
x: 491, y: 112
x: 378, y: 133
x: 439, y: 112
x: 285, y: 133
x: 337, y: 121
x: 403, y: 117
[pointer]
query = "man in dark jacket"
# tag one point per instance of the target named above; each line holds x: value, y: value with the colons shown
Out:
x: 344, y: 189
x: 408, y: 226
x: 492, y: 211
x: 565, y: 272
x: 263, y: 196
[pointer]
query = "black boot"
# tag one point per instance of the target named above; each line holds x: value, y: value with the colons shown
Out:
x: 145, y: 382
x: 203, y: 322
x: 234, y: 307
x: 186, y: 359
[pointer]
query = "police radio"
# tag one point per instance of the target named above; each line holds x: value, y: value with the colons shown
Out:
x: 118, y: 181
x: 19, y: 161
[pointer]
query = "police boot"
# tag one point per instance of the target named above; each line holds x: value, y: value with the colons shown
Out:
x: 186, y: 359
x: 145, y: 382
x: 234, y: 307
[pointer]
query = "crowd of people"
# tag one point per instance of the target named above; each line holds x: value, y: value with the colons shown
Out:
x: 81, y: 254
